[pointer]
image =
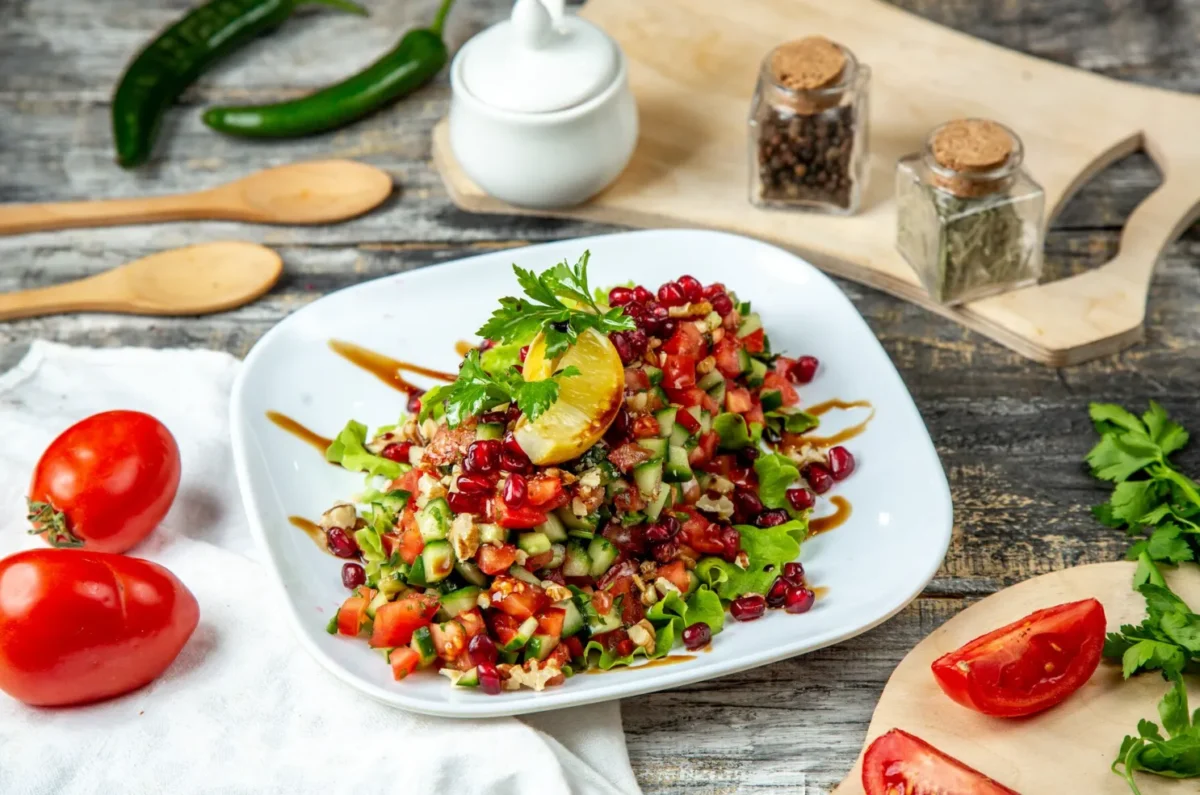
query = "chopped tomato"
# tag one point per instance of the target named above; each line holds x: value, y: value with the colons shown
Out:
x: 545, y: 492
x: 645, y: 427
x: 737, y: 400
x: 679, y: 371
x: 776, y: 381
x: 898, y: 762
x: 754, y: 342
x: 693, y: 396
x: 449, y: 639
x: 495, y: 559
x: 504, y: 626
x: 395, y: 622
x: 629, y: 455
x: 411, y: 542
x: 676, y: 574
x: 522, y: 518
x: 687, y: 421
x: 535, y: 562
x: 726, y: 353
x: 755, y: 415
x: 686, y: 341
x: 518, y: 598
x: 1029, y: 665
x: 701, y: 534
x: 574, y: 645
x: 407, y: 481
x: 559, y: 657
x: 352, y: 615
x: 727, y: 466
x: 705, y: 449
x: 636, y: 379
x: 550, y: 621
x: 472, y: 622
x: 404, y: 661
x: 602, y: 601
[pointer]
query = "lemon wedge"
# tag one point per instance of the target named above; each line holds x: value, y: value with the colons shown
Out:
x: 587, y: 403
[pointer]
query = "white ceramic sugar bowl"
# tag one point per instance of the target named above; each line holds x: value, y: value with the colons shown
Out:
x: 541, y: 114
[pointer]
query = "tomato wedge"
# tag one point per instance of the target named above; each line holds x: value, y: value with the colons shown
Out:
x: 1029, y: 665
x: 898, y: 762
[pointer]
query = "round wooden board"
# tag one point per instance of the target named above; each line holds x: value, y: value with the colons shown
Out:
x: 1066, y: 750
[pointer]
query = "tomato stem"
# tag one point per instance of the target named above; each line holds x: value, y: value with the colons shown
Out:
x: 47, y: 519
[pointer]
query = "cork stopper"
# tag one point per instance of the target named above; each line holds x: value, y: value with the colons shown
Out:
x: 967, y: 149
x: 808, y: 64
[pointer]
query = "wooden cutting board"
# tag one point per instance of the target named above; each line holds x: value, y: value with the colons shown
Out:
x: 1064, y: 751
x: 693, y: 65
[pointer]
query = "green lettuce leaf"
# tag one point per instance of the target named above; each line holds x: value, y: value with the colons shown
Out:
x: 349, y: 450
x: 767, y: 548
x: 672, y: 614
x: 775, y: 474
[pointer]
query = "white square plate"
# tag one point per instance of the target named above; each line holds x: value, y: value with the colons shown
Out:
x: 873, y: 565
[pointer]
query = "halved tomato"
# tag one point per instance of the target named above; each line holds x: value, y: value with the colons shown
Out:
x: 495, y: 559
x: 1029, y: 665
x: 686, y: 341
x: 522, y: 518
x: 395, y: 622
x: 898, y: 762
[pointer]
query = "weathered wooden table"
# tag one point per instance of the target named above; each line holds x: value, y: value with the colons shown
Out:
x: 1011, y: 433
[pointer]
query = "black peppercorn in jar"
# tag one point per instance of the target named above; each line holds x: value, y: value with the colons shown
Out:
x: 808, y: 128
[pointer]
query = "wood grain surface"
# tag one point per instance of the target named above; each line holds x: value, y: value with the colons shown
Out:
x: 1011, y: 433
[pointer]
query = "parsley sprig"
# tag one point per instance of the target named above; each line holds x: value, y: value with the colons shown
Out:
x: 477, y: 391
x: 559, y: 303
x: 1160, y: 506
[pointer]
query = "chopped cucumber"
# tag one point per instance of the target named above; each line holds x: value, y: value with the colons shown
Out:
x: 750, y: 323
x: 434, y: 520
x: 616, y: 487
x: 379, y: 601
x: 577, y: 562
x: 489, y: 430
x: 771, y: 399
x: 596, y: 622
x: 492, y: 534
x: 559, y: 551
x: 655, y: 508
x: 732, y: 430
x: 553, y: 528
x: 744, y: 360
x: 666, y: 420
x: 603, y: 553
x: 422, y: 644
x: 438, y: 558
x: 710, y: 379
x: 521, y: 573
x: 416, y: 572
x: 573, y: 622
x: 648, y: 476
x: 533, y: 543
x: 524, y: 633
x: 758, y: 371
x: 654, y: 374
x: 460, y: 601
x: 510, y: 657
x: 586, y: 535
x: 657, y: 447
x: 717, y: 393
x: 469, y: 679
x: 540, y: 646
x: 573, y: 522
x: 677, y: 469
x: 702, y: 417
x: 471, y: 573
x: 679, y: 436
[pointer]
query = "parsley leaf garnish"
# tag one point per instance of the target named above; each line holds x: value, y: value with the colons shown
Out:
x: 558, y: 303
x: 477, y: 391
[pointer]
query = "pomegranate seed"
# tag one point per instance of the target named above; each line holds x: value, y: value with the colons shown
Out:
x: 665, y: 552
x: 747, y: 456
x: 778, y: 592
x: 819, y: 478
x: 397, y: 451
x: 722, y: 304
x: 619, y: 296
x: 638, y: 341
x: 666, y: 329
x: 474, y: 484
x: 794, y: 573
x: 841, y: 462
x: 461, y: 502
x: 697, y: 636
x: 489, y: 678
x: 666, y: 529
x: 513, y: 458
x: 800, y: 499
x: 693, y: 291
x: 799, y: 600
x: 803, y: 370
x: 642, y: 295
x: 713, y: 290
x: 414, y: 403
x: 341, y: 543
x: 481, y: 649
x: 486, y: 345
x: 748, y: 607
x: 483, y: 456
x: 671, y: 294
x: 524, y: 352
x: 771, y: 518
x: 625, y: 647
x: 731, y: 540
x: 620, y: 341
x: 747, y: 503
x: 515, y: 489
x: 353, y: 575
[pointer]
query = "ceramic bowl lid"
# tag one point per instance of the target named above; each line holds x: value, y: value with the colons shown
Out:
x: 539, y: 60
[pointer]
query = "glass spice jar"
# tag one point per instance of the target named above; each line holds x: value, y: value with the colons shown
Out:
x: 969, y: 218
x: 808, y: 128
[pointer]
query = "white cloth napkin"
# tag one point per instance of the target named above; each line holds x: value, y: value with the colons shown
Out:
x: 243, y: 709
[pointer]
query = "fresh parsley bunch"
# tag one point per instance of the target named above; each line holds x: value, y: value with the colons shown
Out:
x: 1168, y: 640
x: 1149, y: 751
x: 477, y: 391
x: 558, y: 303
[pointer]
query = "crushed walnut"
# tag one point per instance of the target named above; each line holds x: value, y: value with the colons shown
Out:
x: 464, y: 536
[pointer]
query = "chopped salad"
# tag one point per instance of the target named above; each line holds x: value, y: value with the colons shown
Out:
x: 609, y: 476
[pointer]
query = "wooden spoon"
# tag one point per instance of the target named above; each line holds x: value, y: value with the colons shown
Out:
x: 318, y: 192
x: 195, y: 280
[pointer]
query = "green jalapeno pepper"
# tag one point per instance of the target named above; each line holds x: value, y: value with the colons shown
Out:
x: 419, y: 56
x: 169, y: 64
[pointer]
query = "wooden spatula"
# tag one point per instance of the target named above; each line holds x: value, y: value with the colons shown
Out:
x: 196, y: 280
x: 317, y: 192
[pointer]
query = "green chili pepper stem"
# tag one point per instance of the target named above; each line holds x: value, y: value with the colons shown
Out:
x: 344, y: 5
x: 439, y: 18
